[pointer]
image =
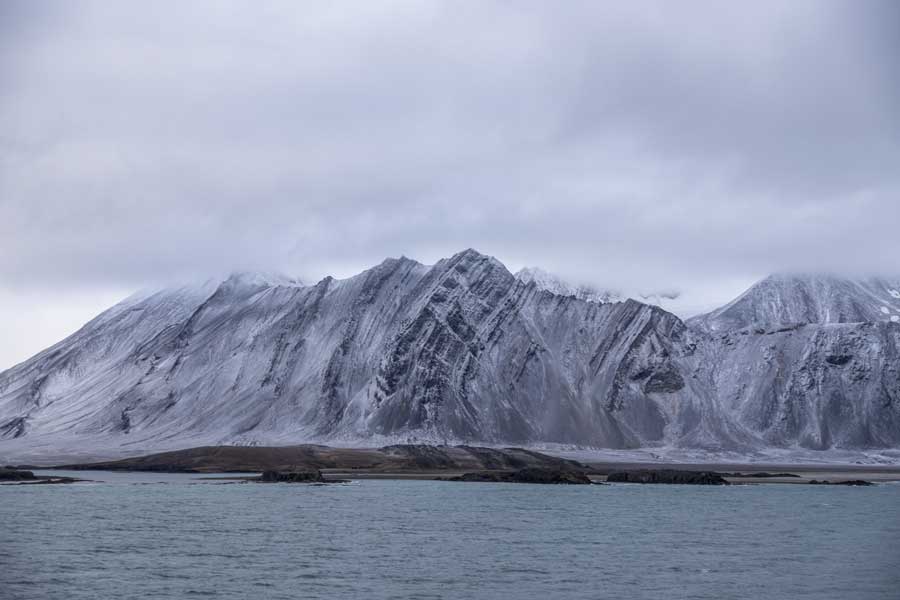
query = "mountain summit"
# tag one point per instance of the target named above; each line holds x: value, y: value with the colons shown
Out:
x: 793, y: 299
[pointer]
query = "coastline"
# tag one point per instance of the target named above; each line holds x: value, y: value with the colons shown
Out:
x: 426, y: 462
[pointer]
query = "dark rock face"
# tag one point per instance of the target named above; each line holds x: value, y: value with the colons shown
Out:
x: 16, y: 475
x: 292, y: 477
x: 667, y: 476
x: 838, y: 359
x: 853, y: 482
x: 665, y: 381
x: 528, y: 475
x: 13, y: 428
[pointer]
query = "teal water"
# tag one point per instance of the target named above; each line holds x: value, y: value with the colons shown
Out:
x: 172, y: 536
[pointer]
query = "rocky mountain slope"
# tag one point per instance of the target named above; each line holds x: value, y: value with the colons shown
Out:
x: 793, y: 299
x: 810, y: 360
x: 460, y: 351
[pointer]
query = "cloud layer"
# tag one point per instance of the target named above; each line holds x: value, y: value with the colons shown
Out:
x: 684, y: 145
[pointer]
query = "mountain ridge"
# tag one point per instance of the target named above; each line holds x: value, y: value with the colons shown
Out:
x: 809, y: 298
x: 460, y: 351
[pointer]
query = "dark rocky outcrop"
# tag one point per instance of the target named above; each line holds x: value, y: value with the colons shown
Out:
x: 667, y: 476
x: 838, y: 359
x: 528, y: 475
x: 291, y: 477
x: 7, y: 474
x: 852, y: 482
x: 665, y: 381
x: 23, y: 477
x: 762, y: 475
x: 51, y: 480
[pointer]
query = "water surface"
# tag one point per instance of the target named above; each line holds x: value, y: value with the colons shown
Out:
x: 142, y: 536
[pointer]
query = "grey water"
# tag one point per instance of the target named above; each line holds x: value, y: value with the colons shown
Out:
x: 142, y: 536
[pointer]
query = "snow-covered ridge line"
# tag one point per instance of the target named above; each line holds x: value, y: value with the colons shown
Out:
x: 665, y: 299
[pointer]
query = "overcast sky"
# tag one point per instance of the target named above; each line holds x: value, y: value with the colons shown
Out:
x: 639, y: 145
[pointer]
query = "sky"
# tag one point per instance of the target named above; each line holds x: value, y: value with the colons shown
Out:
x: 691, y: 146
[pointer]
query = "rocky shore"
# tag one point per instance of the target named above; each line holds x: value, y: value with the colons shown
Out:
x: 461, y: 463
x: 14, y: 476
x: 851, y: 482
x: 667, y: 476
x: 291, y: 477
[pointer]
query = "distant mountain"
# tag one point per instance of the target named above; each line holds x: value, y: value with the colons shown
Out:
x: 793, y: 299
x: 461, y: 351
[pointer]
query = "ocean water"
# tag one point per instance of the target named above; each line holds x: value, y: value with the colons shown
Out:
x: 141, y: 536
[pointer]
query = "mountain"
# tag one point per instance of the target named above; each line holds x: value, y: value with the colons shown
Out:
x: 461, y: 351
x: 794, y: 299
x: 811, y: 360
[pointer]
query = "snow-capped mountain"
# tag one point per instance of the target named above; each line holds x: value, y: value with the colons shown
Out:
x: 459, y: 351
x: 792, y: 299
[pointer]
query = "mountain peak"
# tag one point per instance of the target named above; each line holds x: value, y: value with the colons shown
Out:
x: 801, y: 298
x: 471, y: 254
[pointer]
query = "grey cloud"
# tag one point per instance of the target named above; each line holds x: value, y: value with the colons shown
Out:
x: 680, y: 144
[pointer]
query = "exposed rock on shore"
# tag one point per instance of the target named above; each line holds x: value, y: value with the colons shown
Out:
x: 762, y: 475
x: 667, y: 476
x: 23, y: 477
x: 854, y: 482
x: 291, y: 477
x: 7, y: 474
x: 50, y: 480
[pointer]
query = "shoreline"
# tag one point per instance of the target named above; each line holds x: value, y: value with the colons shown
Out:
x: 799, y: 478
x: 423, y: 462
x: 393, y: 469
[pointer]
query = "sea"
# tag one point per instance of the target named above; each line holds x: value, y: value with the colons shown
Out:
x: 146, y: 535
